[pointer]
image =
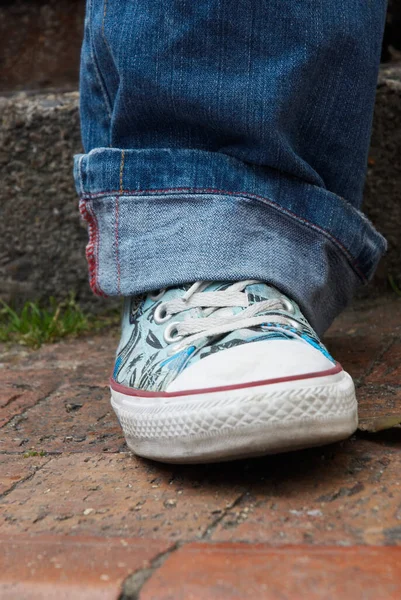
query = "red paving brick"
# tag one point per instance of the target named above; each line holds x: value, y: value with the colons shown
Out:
x: 388, y: 369
x: 69, y: 406
x: 74, y: 418
x: 379, y: 406
x: 362, y: 333
x: 20, y: 390
x: 71, y: 568
x: 234, y: 572
x: 379, y: 316
x: 86, y: 359
x: 14, y: 469
x: 347, y: 494
x: 119, y: 495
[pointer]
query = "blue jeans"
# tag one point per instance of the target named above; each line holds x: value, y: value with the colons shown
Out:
x: 227, y: 140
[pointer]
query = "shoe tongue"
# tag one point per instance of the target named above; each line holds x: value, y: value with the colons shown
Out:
x: 258, y: 291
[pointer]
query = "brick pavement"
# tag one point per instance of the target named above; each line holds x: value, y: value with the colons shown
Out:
x: 81, y: 518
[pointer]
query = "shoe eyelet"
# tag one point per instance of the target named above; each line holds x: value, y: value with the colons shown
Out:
x: 155, y: 296
x: 160, y: 314
x: 169, y: 336
x: 288, y: 305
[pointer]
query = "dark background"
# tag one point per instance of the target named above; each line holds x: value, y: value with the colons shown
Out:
x: 40, y: 43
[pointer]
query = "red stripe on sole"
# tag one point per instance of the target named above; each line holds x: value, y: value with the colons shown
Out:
x: 122, y: 389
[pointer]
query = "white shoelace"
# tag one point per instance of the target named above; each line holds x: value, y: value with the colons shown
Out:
x: 212, y: 325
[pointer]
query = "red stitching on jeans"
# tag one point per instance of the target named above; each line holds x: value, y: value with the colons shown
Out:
x: 244, y: 195
x: 92, y: 247
x: 117, y: 241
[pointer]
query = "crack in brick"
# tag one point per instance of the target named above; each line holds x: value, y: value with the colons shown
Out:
x: 103, y: 417
x: 340, y: 493
x: 21, y: 453
x: 36, y: 469
x: 210, y: 529
x: 88, y: 386
x: 134, y: 583
x: 376, y: 361
x: 15, y: 421
x: 15, y: 397
x: 17, y: 418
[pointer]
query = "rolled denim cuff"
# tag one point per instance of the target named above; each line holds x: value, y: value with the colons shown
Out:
x: 163, y: 217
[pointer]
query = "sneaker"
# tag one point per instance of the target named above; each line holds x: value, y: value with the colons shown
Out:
x: 219, y: 371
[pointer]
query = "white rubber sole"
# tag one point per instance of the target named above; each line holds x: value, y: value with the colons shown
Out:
x: 237, y: 423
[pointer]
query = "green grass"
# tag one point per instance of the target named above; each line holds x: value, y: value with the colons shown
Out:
x: 34, y: 453
x: 394, y: 285
x: 35, y: 324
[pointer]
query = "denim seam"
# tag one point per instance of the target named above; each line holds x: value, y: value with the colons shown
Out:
x: 117, y: 242
x: 96, y: 67
x: 80, y: 172
x: 248, y: 196
x: 103, y: 27
x: 122, y: 164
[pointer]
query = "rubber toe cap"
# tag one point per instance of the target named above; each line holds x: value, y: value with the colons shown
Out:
x: 250, y: 363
